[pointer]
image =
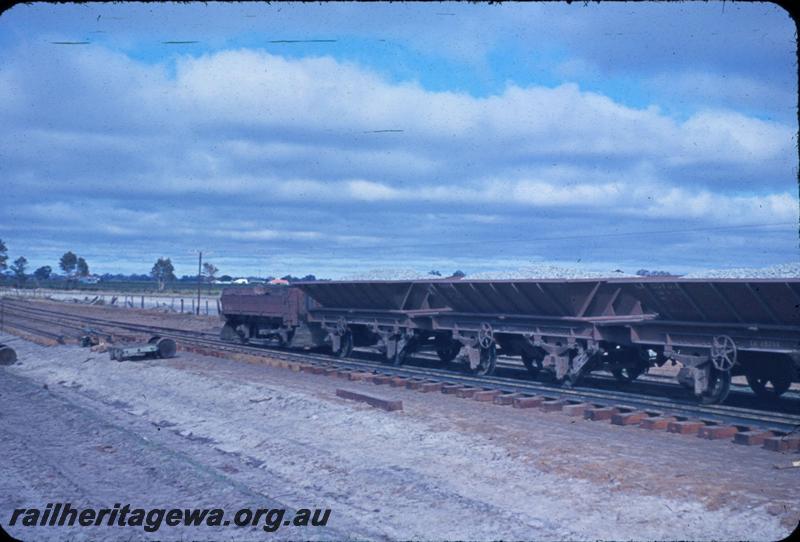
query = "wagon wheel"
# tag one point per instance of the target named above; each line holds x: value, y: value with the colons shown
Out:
x: 487, y: 362
x: 723, y: 353
x: 243, y: 332
x: 446, y: 348
x: 448, y: 353
x: 627, y: 374
x: 7, y: 355
x: 759, y: 386
x: 719, y: 384
x: 780, y: 375
x: 283, y: 337
x: 485, y: 336
x: 166, y: 348
x: 637, y: 364
x: 532, y: 363
x: 571, y: 380
x: 402, y: 354
x: 341, y: 326
x: 228, y: 333
x: 345, y: 345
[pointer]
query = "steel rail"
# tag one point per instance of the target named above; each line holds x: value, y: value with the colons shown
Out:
x: 182, y: 333
x: 14, y: 324
x: 658, y: 386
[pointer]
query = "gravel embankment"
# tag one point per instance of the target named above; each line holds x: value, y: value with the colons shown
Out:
x: 198, y: 431
x: 782, y: 271
x: 549, y: 271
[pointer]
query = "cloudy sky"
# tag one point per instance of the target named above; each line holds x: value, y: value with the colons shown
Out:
x: 336, y: 138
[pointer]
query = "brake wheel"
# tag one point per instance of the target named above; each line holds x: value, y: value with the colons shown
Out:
x: 487, y: 363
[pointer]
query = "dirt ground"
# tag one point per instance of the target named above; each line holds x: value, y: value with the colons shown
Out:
x: 205, y: 432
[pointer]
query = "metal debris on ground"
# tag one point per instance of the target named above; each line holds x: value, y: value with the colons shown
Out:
x: 794, y: 464
x: 93, y: 338
x: 156, y: 347
x: 89, y: 340
x: 7, y: 355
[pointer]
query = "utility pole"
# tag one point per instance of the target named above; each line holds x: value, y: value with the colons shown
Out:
x: 199, y: 278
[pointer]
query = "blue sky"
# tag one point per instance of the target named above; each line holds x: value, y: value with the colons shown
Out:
x: 337, y: 138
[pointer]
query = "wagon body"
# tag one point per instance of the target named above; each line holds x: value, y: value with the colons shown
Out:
x: 714, y: 328
x: 763, y: 314
x: 274, y: 302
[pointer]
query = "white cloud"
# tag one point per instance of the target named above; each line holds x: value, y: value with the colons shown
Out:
x: 371, y: 191
x: 679, y: 204
x: 325, y: 99
x: 630, y: 196
x: 267, y: 132
x: 726, y: 136
x: 730, y: 90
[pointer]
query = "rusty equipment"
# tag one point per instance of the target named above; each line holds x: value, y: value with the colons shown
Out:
x: 93, y: 338
x: 156, y: 347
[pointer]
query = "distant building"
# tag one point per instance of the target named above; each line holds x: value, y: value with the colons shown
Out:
x: 279, y: 282
x: 91, y: 279
x: 240, y: 281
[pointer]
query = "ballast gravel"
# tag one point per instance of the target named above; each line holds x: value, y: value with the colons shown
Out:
x: 197, y: 431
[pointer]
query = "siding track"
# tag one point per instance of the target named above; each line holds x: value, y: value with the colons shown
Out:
x: 747, y: 413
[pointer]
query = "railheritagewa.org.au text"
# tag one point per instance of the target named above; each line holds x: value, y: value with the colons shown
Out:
x: 153, y: 519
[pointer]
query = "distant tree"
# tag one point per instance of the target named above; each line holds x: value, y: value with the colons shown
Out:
x: 82, y: 268
x: 459, y: 274
x: 435, y: 273
x: 309, y: 278
x: 290, y: 278
x: 226, y: 278
x: 210, y: 271
x: 3, y: 255
x: 68, y: 263
x: 43, y: 273
x: 18, y: 267
x: 163, y: 272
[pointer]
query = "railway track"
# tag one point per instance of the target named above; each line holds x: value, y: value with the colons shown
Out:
x: 507, y: 366
x: 781, y: 418
x: 26, y: 328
